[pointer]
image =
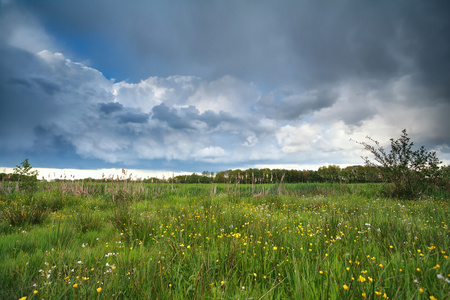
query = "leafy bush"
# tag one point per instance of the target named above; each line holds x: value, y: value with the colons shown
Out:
x: 20, y: 214
x: 28, y: 181
x: 411, y: 173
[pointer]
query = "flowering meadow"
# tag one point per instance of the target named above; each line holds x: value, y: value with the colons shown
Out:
x: 150, y: 241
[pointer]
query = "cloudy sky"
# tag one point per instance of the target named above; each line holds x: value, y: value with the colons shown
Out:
x: 213, y: 85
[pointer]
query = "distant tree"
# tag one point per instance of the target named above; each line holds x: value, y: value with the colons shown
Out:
x: 27, y: 178
x: 410, y: 172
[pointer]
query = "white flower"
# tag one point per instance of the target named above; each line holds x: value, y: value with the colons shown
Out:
x: 440, y: 276
x: 80, y: 262
x: 416, y: 281
x: 367, y: 224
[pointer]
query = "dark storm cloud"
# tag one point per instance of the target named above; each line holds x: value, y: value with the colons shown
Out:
x: 170, y: 116
x: 220, y: 79
x: 108, y: 108
x: 269, y: 42
x: 48, y: 87
x: 130, y: 117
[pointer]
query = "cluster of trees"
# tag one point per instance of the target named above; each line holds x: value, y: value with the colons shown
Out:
x: 332, y: 173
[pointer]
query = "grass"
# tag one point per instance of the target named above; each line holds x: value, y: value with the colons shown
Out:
x: 303, y: 241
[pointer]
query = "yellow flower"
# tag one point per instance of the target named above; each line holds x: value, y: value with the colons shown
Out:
x: 99, y: 290
x: 348, y: 268
x: 421, y: 290
x: 222, y: 282
x: 361, y: 279
x: 254, y: 274
x: 75, y: 285
x: 385, y: 296
x: 418, y: 269
x: 378, y: 293
x: 35, y: 292
x: 23, y: 298
x: 436, y: 267
x: 320, y: 272
x: 364, y: 295
x: 345, y: 287
x: 433, y: 298
x: 189, y: 247
x: 380, y: 265
x: 275, y: 248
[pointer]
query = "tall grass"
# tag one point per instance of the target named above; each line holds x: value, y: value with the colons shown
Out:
x: 301, y: 241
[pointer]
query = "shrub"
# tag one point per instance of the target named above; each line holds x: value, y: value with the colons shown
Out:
x: 411, y: 173
x: 27, y: 179
x: 19, y: 214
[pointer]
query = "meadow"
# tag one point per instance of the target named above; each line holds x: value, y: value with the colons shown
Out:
x: 129, y: 240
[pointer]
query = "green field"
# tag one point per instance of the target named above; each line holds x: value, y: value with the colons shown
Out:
x: 163, y: 241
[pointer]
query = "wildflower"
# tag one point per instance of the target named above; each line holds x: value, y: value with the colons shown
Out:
x: 321, y: 272
x: 364, y: 295
x: 361, y: 279
x: 189, y: 247
x: 23, y: 298
x: 99, y: 290
x: 222, y: 282
x: 421, y: 290
x: 385, y: 296
x: 254, y: 274
x: 380, y: 265
x: 345, y: 287
x: 275, y: 248
x: 75, y: 285
x: 80, y: 262
x: 35, y: 292
x: 378, y: 293
x: 433, y: 298
x: 418, y: 269
x: 440, y: 276
x: 436, y: 267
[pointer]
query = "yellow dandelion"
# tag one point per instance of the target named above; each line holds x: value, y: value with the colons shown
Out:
x: 23, y: 298
x: 99, y: 290
x: 380, y: 265
x: 418, y: 269
x: 35, y: 292
x: 345, y: 287
x: 385, y: 296
x: 321, y: 272
x: 75, y: 285
x: 433, y: 298
x: 421, y: 290
x: 254, y: 274
x: 364, y: 295
x: 378, y: 293
x: 436, y: 267
x: 275, y: 248
x: 361, y: 279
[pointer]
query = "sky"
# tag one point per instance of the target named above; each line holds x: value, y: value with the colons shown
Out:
x: 192, y: 86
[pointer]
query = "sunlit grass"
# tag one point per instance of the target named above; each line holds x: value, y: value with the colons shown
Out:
x: 178, y: 242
